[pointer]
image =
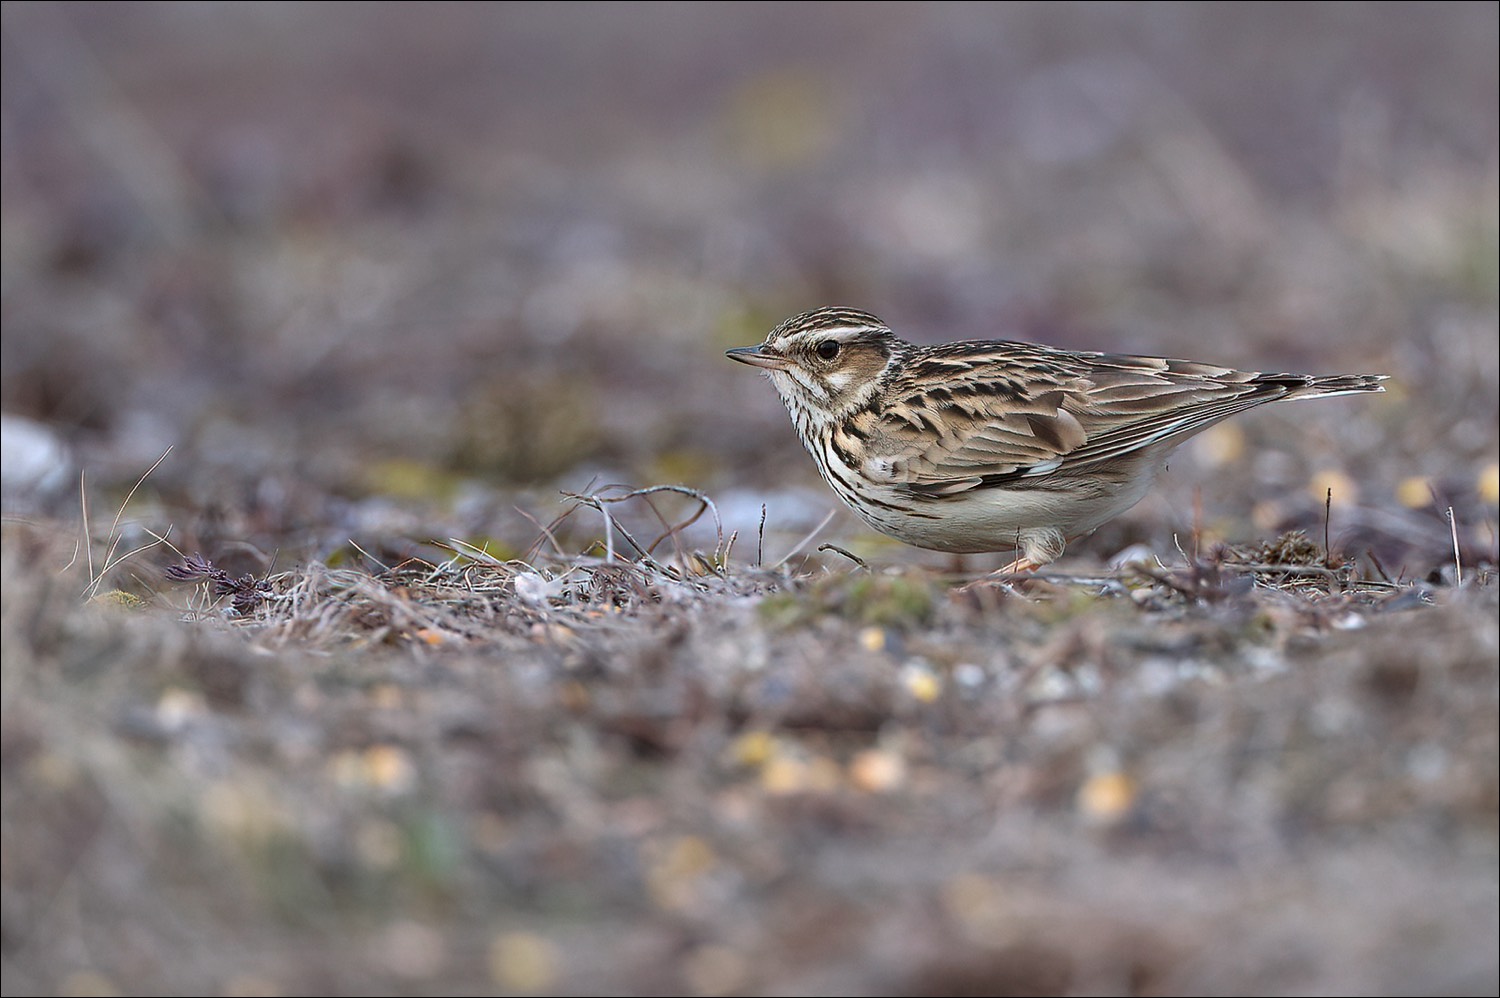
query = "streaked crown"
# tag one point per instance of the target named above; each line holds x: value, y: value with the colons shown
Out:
x: 827, y: 362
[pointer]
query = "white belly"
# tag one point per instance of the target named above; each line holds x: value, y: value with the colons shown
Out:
x: 1000, y: 519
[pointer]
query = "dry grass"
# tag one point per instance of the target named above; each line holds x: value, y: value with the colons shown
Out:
x: 649, y: 768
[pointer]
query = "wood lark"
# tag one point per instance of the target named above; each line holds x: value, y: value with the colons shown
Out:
x: 991, y: 445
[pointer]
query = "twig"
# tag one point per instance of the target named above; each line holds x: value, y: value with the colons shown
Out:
x: 383, y: 566
x: 1267, y: 568
x: 705, y: 504
x: 723, y: 559
x: 1327, y: 515
x: 83, y: 534
x: 1109, y: 582
x: 797, y: 548
x: 546, y: 532
x: 852, y: 557
x: 598, y: 502
x: 1165, y: 578
x: 1458, y: 568
x: 468, y: 550
x: 1258, y: 568
x: 671, y: 531
x: 115, y: 563
x: 609, y: 534
x: 113, y: 540
x: 162, y: 539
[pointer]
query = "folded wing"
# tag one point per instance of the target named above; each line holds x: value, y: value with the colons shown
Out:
x: 1015, y: 412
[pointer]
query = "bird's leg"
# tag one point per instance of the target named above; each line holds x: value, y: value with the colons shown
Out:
x: 1022, y: 565
x: 1035, y: 547
x: 1003, y: 577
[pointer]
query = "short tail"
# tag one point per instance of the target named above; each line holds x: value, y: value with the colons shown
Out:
x: 1312, y: 386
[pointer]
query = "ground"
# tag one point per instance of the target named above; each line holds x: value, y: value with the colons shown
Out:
x: 402, y: 593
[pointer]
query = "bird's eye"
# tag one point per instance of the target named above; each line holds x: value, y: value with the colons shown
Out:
x: 828, y: 349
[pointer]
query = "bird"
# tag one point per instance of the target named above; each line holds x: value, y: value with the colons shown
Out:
x: 997, y: 445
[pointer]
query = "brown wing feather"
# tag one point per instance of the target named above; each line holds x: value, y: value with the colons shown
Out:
x: 1074, y: 411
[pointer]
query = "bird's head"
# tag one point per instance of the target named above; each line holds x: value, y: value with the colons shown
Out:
x: 827, y: 362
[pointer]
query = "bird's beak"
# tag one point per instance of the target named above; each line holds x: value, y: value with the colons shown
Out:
x: 758, y: 357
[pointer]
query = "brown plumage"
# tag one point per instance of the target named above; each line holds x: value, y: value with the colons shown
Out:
x: 992, y: 445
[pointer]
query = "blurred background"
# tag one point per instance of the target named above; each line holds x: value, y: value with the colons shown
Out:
x: 391, y: 271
